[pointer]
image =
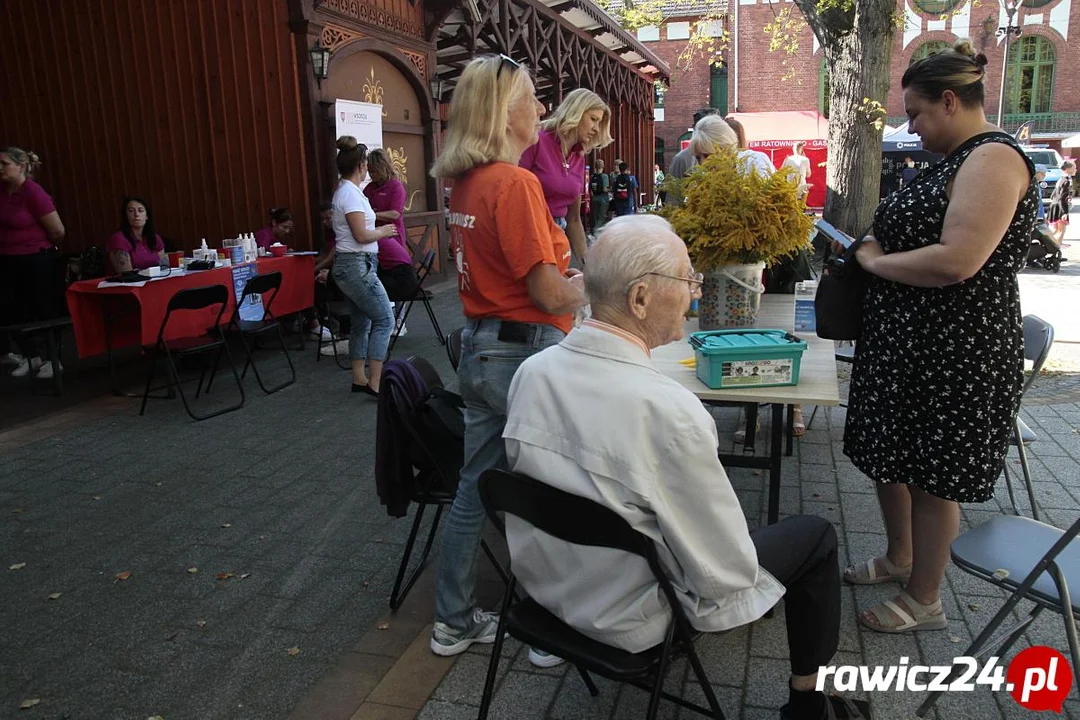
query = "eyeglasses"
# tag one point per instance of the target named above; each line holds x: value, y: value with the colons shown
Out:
x: 695, y: 279
x: 505, y: 61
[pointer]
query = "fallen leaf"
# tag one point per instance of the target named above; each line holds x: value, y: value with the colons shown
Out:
x: 17, y: 566
x: 193, y: 570
x: 1001, y: 573
x: 122, y: 576
x: 16, y: 511
x: 155, y: 717
x: 157, y: 484
x: 55, y: 596
x: 385, y: 625
x: 97, y: 497
x: 225, y: 575
x: 245, y: 576
x: 973, y: 606
x: 954, y: 639
x: 27, y: 704
x: 293, y: 651
x: 200, y: 624
x: 227, y: 525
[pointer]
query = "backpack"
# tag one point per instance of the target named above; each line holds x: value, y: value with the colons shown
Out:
x: 597, y: 184
x: 622, y: 187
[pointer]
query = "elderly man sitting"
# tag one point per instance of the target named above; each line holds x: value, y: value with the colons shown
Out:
x: 593, y: 417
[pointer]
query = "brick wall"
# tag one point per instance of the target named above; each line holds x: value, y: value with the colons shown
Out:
x: 763, y: 77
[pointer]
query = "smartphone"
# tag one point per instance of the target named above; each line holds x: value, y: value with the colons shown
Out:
x: 827, y: 229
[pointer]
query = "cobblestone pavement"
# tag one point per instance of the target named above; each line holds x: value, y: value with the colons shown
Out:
x: 259, y: 532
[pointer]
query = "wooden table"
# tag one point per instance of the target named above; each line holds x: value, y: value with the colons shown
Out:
x: 817, y: 386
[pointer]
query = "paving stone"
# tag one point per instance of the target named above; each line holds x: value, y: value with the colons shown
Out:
x: 523, y: 695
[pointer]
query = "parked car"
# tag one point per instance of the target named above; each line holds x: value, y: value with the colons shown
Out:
x: 1052, y: 160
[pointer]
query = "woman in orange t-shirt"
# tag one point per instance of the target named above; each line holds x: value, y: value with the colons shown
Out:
x: 518, y: 293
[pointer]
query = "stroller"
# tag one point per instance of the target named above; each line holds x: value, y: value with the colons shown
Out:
x: 1044, y: 251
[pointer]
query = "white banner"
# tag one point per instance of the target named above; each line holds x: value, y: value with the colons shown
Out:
x: 361, y: 120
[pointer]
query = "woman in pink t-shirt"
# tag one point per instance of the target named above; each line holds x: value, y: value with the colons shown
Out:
x: 581, y: 124
x: 30, y: 229
x: 278, y: 231
x: 135, y: 246
x: 386, y: 193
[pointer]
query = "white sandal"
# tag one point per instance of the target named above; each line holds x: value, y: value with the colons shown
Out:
x: 913, y: 615
x: 866, y: 573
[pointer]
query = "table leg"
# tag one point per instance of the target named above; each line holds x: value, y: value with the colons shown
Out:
x: 108, y: 318
x: 776, y: 458
x: 790, y: 430
x: 749, y: 439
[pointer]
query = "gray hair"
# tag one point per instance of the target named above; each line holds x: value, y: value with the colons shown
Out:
x: 628, y: 248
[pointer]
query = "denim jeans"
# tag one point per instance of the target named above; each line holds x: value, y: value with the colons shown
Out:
x: 356, y: 275
x: 487, y: 367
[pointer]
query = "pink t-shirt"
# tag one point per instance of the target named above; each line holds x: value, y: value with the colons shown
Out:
x: 265, y: 238
x: 21, y: 232
x: 141, y: 257
x: 389, y: 196
x: 563, y: 184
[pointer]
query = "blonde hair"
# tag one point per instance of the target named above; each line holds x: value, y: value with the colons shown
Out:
x: 712, y: 134
x: 27, y: 159
x: 378, y: 160
x: 479, y: 112
x: 567, y: 118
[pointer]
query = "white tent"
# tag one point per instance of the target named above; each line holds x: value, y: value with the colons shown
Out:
x: 900, y: 140
x: 1069, y: 142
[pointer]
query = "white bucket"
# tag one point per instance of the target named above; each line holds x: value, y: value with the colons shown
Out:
x: 731, y: 296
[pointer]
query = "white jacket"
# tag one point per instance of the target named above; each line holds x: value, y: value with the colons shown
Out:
x: 593, y: 417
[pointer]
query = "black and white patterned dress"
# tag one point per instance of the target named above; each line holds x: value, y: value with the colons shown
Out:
x: 938, y: 371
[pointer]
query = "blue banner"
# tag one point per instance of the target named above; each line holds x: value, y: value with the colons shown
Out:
x: 252, y: 309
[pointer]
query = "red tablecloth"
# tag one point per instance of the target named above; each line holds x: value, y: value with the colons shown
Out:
x: 138, y: 311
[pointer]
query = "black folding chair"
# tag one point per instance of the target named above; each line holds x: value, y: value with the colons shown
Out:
x: 193, y: 299
x: 1006, y: 548
x: 453, y: 347
x: 577, y: 520
x: 266, y: 285
x: 1038, y: 339
x: 336, y: 311
x: 422, y: 273
x: 435, y: 480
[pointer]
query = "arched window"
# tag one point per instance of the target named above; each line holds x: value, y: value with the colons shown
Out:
x: 933, y: 47
x: 937, y: 7
x: 1029, y: 85
x: 823, y: 89
x: 718, y: 87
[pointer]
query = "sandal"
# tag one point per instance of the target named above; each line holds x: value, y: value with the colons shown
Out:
x: 912, y: 615
x: 798, y: 429
x: 837, y: 707
x: 866, y: 573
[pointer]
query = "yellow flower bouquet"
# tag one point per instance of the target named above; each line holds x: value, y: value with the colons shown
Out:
x: 731, y: 215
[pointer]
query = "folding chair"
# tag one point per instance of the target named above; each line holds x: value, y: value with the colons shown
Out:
x: 583, y: 522
x: 262, y: 285
x: 336, y: 310
x: 1005, y: 548
x: 420, y: 294
x: 435, y: 480
x: 1038, y: 339
x: 453, y: 347
x: 193, y: 299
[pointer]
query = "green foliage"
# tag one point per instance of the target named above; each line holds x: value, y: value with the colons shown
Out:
x: 634, y: 15
x: 730, y: 216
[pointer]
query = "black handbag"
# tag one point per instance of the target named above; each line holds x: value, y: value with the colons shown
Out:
x: 838, y: 306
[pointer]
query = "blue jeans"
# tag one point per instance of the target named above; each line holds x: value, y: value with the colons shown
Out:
x: 356, y: 275
x: 487, y: 367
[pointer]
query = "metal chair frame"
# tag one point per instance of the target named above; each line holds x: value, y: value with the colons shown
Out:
x: 422, y: 272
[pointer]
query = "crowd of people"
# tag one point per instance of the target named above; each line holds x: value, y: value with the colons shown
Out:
x: 942, y: 294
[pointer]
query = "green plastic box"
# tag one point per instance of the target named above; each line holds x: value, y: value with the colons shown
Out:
x: 750, y: 357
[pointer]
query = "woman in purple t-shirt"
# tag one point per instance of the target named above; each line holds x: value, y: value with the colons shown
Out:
x: 30, y: 229
x: 386, y: 193
x: 135, y: 246
x: 581, y: 124
x: 279, y: 229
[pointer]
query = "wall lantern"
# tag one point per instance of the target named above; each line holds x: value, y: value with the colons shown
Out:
x: 435, y: 84
x: 320, y: 62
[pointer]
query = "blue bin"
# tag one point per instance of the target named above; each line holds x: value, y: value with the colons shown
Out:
x: 748, y: 357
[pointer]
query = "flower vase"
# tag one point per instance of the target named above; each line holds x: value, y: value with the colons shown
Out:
x: 731, y: 296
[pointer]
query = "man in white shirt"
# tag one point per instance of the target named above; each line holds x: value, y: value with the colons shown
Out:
x: 593, y: 417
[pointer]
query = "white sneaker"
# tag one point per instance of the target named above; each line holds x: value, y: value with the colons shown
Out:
x: 26, y: 367
x: 401, y: 331
x: 13, y: 359
x: 328, y: 349
x: 46, y: 371
x: 323, y: 334
x: 542, y: 659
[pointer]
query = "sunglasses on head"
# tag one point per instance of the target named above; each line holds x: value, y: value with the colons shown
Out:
x: 504, y: 62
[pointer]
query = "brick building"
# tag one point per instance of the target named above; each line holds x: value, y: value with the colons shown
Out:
x: 1043, y: 78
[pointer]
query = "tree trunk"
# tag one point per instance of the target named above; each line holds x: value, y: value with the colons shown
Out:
x: 857, y: 41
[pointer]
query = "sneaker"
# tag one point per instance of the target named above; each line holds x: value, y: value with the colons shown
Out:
x: 46, y: 371
x: 447, y: 641
x: 323, y: 334
x: 542, y: 659
x: 341, y: 345
x: 26, y: 367
x: 12, y: 359
x: 401, y: 331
